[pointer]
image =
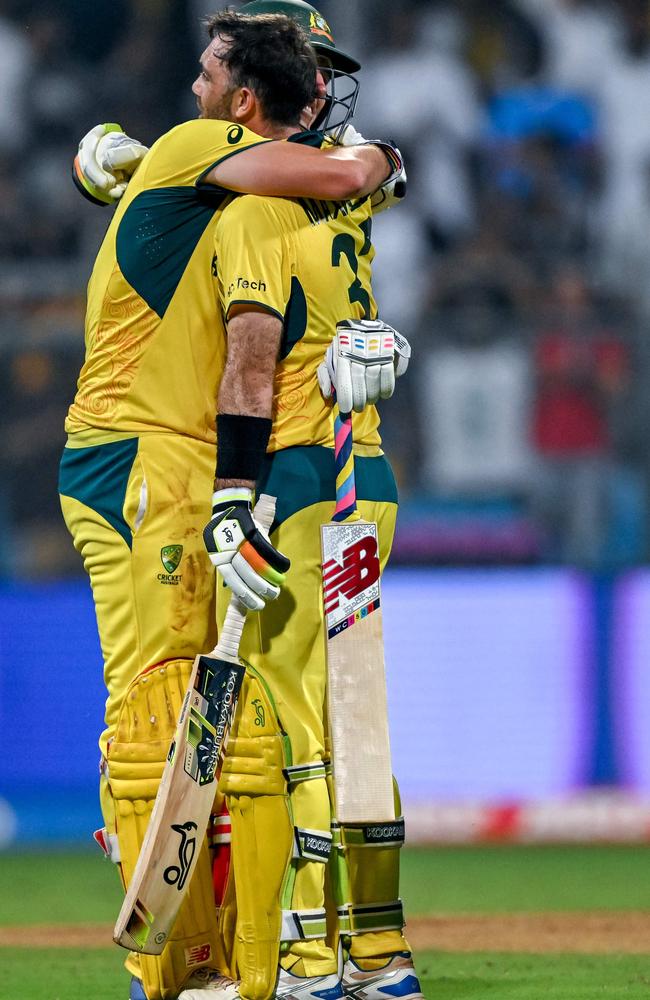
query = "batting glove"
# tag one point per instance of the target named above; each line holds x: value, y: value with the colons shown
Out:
x: 392, y: 190
x: 240, y: 549
x: 362, y: 363
x: 105, y: 163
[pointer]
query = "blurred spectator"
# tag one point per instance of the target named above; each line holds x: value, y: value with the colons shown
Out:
x: 417, y: 89
x: 34, y: 400
x: 505, y: 46
x: 581, y: 37
x: 583, y: 372
x: 474, y: 385
x: 624, y: 216
x: 15, y: 69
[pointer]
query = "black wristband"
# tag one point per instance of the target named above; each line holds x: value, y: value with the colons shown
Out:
x: 241, y: 445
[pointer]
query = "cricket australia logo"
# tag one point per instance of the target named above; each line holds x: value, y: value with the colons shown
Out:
x: 358, y: 570
x: 177, y: 874
x: 170, y: 557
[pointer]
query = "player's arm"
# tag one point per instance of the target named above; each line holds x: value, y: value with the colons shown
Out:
x: 107, y: 159
x: 288, y: 169
x: 237, y: 544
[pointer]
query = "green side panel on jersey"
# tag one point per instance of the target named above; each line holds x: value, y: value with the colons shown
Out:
x: 295, y: 319
x: 305, y: 475
x: 97, y: 477
x: 156, y: 238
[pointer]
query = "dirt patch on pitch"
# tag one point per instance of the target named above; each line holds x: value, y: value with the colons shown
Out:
x: 581, y: 933
x: 578, y: 933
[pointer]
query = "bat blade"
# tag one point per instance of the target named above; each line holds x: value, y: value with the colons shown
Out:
x: 357, y: 703
x: 180, y: 815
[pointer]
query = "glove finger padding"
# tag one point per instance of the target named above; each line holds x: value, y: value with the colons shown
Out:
x: 359, y: 395
x: 324, y: 379
x: 240, y: 589
x: 117, y: 151
x: 266, y: 590
x: 387, y: 376
x: 343, y: 383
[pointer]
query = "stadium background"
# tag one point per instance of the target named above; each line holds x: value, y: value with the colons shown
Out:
x: 518, y: 266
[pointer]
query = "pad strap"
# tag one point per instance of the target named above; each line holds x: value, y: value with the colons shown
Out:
x: 303, y: 925
x: 362, y: 917
x: 219, y: 829
x: 312, y: 845
x: 390, y: 834
x: 297, y: 773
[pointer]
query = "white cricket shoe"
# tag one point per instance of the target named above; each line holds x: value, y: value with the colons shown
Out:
x: 394, y: 981
x: 292, y: 987
x: 206, y: 984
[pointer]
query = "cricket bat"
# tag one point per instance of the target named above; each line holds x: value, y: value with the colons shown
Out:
x: 181, y: 811
x: 356, y: 681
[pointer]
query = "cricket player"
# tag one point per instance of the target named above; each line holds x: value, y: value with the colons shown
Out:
x: 288, y: 273
x: 137, y: 472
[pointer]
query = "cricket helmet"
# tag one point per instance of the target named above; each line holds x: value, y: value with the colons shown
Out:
x: 337, y: 66
x: 313, y: 23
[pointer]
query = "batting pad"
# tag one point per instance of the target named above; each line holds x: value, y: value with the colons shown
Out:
x: 136, y: 760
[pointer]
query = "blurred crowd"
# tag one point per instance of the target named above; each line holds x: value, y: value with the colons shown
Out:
x: 518, y: 265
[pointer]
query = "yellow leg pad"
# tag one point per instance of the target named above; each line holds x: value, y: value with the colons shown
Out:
x: 136, y: 759
x: 253, y: 782
x: 365, y: 881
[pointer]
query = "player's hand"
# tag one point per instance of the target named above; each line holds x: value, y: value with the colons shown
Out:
x: 240, y: 549
x: 394, y: 188
x: 105, y: 163
x: 390, y: 193
x: 362, y: 363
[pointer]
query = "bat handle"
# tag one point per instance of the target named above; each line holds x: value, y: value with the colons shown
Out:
x: 233, y: 625
x: 346, y: 490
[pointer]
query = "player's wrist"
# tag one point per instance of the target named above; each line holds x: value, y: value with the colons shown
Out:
x: 229, y: 495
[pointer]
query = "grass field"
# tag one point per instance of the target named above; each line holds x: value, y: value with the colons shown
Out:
x: 468, y: 887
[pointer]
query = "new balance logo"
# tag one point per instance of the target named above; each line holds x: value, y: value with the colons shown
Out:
x: 359, y: 570
x: 198, y: 955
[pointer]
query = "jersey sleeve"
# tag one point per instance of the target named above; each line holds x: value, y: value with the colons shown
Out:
x: 188, y: 152
x: 254, y: 258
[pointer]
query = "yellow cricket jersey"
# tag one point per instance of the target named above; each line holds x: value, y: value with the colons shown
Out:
x: 309, y: 262
x: 155, y: 342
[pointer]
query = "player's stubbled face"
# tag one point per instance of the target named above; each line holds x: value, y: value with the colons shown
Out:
x: 213, y: 88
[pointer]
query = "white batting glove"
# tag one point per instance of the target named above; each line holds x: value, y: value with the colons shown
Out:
x: 240, y: 549
x: 105, y: 163
x: 390, y: 193
x: 392, y: 190
x: 362, y: 363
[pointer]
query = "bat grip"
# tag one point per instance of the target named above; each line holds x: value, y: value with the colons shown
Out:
x: 233, y: 625
x: 346, y: 490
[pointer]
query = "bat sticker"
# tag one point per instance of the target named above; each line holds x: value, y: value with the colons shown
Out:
x: 177, y: 874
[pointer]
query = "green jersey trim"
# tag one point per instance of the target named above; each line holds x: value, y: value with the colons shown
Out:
x: 98, y: 477
x: 305, y: 475
x: 156, y: 238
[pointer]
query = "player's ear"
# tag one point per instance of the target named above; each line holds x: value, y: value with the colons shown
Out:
x: 244, y: 104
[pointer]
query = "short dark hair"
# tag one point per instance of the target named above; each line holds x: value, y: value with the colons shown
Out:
x: 269, y: 53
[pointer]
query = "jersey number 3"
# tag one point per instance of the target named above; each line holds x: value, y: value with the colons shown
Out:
x: 344, y: 246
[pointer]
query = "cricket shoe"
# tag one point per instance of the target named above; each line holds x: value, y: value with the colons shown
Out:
x: 137, y: 989
x: 394, y: 981
x: 208, y: 984
x: 291, y: 987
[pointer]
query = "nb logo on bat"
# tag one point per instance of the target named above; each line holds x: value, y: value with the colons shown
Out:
x: 177, y: 874
x: 357, y: 570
